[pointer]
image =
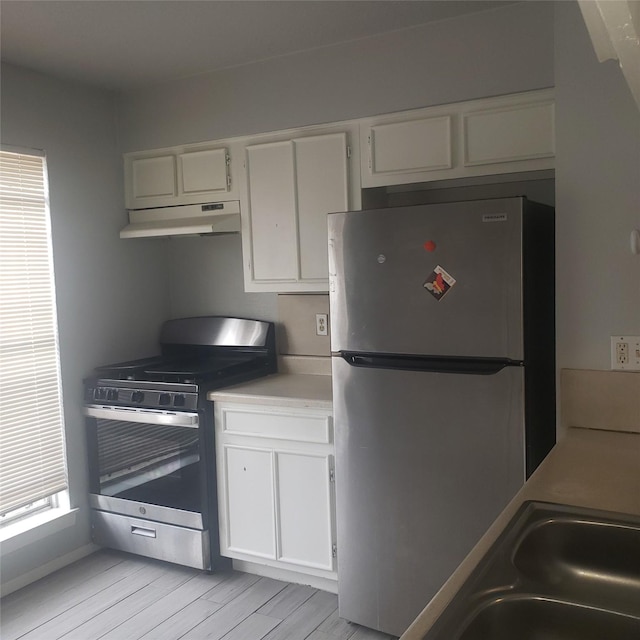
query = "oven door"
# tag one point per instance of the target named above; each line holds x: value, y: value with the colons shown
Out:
x: 148, y: 464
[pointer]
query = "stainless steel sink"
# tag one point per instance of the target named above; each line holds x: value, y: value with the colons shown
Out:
x: 556, y: 573
x: 535, y: 618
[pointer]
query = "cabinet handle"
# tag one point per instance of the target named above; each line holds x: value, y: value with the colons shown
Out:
x: 141, y: 531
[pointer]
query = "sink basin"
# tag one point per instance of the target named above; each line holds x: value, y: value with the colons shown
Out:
x: 536, y: 618
x: 585, y: 558
x: 556, y: 573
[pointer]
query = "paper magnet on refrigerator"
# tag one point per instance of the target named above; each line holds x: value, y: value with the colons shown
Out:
x: 439, y: 282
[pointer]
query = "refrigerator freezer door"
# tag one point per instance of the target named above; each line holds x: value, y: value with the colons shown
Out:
x: 425, y: 462
x: 440, y: 279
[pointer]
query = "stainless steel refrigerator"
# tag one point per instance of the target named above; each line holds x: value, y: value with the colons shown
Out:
x: 442, y: 339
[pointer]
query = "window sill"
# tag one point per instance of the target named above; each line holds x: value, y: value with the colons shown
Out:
x: 37, y: 527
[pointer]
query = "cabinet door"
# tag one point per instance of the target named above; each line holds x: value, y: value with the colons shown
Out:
x: 291, y: 187
x: 190, y: 174
x: 322, y: 188
x: 509, y: 134
x: 272, y: 204
x: 304, y: 507
x: 204, y: 172
x: 153, y: 178
x: 249, y: 501
x: 488, y: 136
x: 416, y: 146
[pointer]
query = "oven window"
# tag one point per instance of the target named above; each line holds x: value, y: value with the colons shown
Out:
x: 152, y: 463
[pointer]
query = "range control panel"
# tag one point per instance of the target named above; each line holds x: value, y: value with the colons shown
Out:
x: 150, y: 398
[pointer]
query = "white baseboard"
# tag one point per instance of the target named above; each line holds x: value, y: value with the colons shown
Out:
x: 317, y: 582
x: 40, y: 572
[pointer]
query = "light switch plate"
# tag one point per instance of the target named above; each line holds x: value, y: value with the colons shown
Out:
x: 625, y: 353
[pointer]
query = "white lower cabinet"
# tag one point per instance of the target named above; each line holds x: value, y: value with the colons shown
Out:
x: 275, y: 487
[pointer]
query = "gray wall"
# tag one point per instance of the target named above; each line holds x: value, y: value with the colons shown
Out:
x: 111, y: 294
x: 597, y: 198
x: 489, y: 53
x: 206, y: 279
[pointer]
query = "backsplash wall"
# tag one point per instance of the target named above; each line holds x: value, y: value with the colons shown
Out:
x: 594, y: 399
x: 296, y: 333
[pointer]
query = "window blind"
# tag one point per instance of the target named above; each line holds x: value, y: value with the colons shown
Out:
x: 32, y: 456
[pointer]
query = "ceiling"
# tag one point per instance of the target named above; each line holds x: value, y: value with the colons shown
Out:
x: 123, y: 45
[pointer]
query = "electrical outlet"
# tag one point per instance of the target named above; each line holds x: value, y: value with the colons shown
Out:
x: 622, y: 353
x: 625, y: 353
x: 321, y: 324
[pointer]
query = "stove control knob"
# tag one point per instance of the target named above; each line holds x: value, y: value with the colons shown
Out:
x: 179, y: 400
x: 137, y: 396
x: 99, y: 394
x: 165, y: 399
x: 112, y: 394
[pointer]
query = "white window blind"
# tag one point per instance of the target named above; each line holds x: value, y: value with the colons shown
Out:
x: 32, y: 458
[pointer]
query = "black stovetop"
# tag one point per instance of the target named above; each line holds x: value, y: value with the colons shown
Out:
x: 186, y: 370
x: 171, y: 383
x: 198, y: 355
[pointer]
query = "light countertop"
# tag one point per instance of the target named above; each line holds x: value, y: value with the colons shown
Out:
x: 281, y: 389
x: 588, y: 468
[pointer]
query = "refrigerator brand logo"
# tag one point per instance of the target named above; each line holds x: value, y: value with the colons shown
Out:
x: 494, y: 217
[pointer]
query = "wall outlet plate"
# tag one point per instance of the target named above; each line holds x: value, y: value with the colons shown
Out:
x: 321, y: 324
x: 625, y: 353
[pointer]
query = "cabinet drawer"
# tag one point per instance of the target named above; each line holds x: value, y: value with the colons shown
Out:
x: 307, y: 426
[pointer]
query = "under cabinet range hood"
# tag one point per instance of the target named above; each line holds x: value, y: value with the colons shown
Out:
x: 191, y: 219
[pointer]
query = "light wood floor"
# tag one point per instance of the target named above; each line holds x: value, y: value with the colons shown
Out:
x: 117, y: 596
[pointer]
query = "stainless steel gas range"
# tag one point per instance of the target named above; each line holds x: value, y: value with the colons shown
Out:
x: 151, y: 439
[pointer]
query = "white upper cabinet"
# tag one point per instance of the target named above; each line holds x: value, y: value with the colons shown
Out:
x: 413, y: 146
x: 291, y: 184
x: 189, y: 174
x: 152, y: 178
x: 511, y: 133
x: 322, y: 177
x: 271, y: 214
x: 506, y: 134
x: 204, y: 172
x: 288, y: 181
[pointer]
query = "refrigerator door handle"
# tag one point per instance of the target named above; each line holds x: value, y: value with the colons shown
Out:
x: 437, y: 364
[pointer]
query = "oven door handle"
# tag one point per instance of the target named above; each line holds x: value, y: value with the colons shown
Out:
x: 148, y: 416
